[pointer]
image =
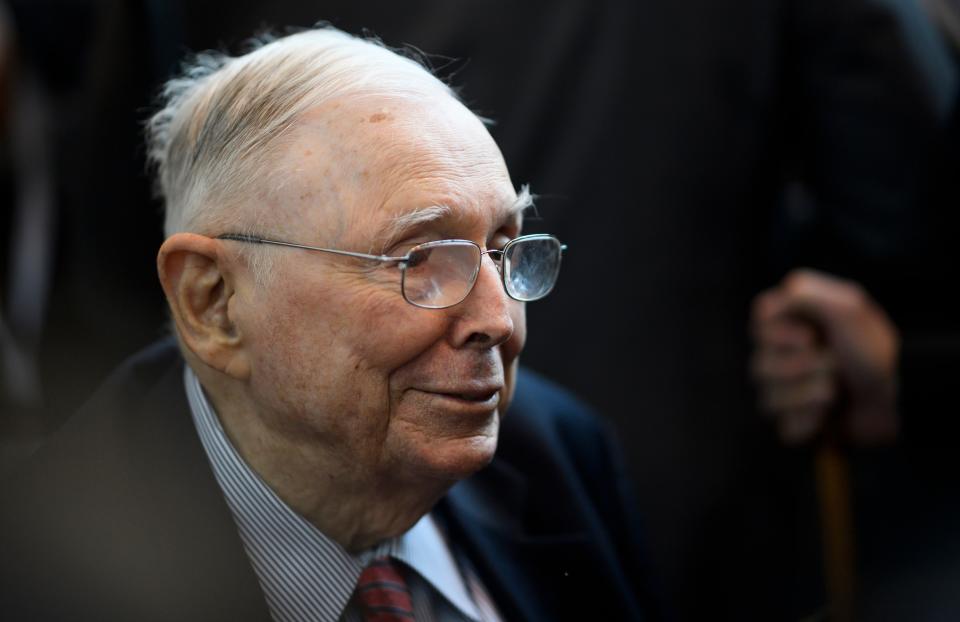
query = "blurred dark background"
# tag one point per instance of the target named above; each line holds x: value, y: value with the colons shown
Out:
x: 689, y: 153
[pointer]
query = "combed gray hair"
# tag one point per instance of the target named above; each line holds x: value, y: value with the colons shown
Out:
x: 225, y: 117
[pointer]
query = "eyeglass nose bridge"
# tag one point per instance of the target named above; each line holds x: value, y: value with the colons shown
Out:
x: 496, y: 255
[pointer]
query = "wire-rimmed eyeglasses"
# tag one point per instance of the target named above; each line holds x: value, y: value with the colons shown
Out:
x: 441, y: 274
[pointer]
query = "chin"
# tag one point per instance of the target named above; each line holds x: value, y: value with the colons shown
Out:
x: 453, y: 459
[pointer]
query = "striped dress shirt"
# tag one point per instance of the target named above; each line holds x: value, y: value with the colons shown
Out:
x: 307, y: 576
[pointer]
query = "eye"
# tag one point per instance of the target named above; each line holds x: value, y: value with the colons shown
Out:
x: 418, y: 257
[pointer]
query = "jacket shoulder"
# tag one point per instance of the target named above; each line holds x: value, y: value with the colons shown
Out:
x: 121, y: 500
x: 91, y: 435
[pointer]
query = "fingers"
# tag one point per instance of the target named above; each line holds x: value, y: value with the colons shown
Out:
x: 814, y: 391
x: 785, y: 335
x: 812, y: 333
x: 795, y: 378
x: 806, y: 293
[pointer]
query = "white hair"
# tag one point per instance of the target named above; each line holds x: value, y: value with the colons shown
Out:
x: 225, y: 117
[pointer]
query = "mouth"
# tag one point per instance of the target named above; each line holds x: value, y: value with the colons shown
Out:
x: 482, y: 397
x: 473, y: 396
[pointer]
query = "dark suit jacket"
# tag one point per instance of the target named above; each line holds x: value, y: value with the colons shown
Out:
x: 119, y: 516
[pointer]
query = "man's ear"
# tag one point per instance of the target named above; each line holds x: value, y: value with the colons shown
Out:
x: 197, y: 280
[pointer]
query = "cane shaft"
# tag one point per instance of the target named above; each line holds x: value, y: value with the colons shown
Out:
x: 836, y: 526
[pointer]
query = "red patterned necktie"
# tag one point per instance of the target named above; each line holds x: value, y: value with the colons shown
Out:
x: 382, y: 593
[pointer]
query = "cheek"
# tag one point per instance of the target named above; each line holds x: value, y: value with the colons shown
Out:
x: 345, y: 345
x: 383, y: 332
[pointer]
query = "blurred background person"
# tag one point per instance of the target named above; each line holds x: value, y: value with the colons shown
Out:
x: 831, y: 367
x: 714, y: 145
x: 27, y: 242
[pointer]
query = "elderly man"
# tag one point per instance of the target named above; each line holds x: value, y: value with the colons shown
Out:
x: 347, y: 277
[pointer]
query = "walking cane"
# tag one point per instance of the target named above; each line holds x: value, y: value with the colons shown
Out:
x: 836, y: 526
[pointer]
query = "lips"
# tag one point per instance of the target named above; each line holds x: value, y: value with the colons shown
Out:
x: 472, y: 394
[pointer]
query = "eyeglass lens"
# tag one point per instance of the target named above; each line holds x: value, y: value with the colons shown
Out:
x: 440, y: 276
x: 530, y: 267
x: 443, y: 275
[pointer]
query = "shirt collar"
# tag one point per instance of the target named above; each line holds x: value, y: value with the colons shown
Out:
x: 425, y: 549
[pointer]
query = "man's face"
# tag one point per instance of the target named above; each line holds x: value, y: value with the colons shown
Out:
x: 341, y: 363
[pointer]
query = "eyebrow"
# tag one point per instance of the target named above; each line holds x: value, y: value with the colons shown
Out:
x: 433, y: 213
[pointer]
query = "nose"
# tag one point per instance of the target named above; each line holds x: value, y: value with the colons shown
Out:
x: 484, y: 318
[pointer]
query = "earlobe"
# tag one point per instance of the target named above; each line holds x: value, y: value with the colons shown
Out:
x: 199, y: 285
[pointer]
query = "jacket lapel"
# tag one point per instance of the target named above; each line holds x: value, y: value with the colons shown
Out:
x: 530, y: 576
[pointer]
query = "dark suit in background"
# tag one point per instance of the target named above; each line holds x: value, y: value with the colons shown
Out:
x: 119, y: 516
x: 688, y: 153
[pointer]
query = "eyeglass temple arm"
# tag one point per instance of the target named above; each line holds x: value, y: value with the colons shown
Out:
x: 239, y: 237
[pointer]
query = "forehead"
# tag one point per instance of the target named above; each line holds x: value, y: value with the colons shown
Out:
x: 363, y: 167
